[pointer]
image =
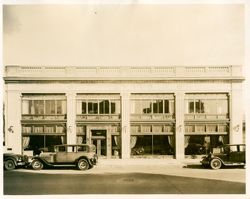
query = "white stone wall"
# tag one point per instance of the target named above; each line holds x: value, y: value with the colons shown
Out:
x: 177, y: 86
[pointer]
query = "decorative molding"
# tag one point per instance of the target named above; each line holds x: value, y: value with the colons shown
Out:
x: 227, y: 72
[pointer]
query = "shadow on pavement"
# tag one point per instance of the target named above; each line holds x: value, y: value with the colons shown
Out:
x: 198, y: 166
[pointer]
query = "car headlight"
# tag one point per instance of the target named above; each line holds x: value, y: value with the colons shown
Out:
x: 19, y: 158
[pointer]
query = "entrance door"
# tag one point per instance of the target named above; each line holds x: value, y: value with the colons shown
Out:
x: 98, y: 138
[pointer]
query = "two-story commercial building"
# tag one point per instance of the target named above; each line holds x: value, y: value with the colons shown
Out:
x: 127, y: 112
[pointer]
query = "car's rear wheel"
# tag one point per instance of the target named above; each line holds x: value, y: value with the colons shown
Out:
x: 215, y: 164
x: 37, y: 165
x: 9, y: 165
x: 83, y: 164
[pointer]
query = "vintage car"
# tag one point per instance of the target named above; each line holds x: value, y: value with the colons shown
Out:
x: 226, y: 155
x: 12, y: 161
x: 83, y: 156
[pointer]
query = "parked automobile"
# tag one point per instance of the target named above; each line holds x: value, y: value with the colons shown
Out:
x: 83, y: 156
x: 12, y: 161
x: 226, y: 155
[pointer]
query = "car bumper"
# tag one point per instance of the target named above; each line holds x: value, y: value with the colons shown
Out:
x: 21, y: 163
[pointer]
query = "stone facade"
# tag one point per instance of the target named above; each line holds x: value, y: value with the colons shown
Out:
x: 120, y: 89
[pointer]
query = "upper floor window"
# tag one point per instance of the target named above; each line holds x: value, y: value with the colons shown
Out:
x: 207, y: 103
x: 43, y: 106
x: 155, y: 104
x: 98, y: 105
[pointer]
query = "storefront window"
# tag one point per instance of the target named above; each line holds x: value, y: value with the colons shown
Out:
x: 202, y: 144
x: 116, y: 145
x: 152, y: 145
x: 38, y: 143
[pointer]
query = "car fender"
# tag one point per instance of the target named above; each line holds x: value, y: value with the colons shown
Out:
x: 83, y: 157
x: 223, y: 163
x: 11, y: 158
x: 45, y: 162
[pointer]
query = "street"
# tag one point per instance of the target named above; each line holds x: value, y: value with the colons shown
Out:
x: 132, y: 180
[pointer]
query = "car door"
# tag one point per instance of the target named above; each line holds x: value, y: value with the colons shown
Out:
x: 242, y: 153
x: 61, y: 154
x: 71, y: 154
x: 234, y: 154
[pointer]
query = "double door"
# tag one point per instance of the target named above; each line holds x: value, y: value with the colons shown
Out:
x: 99, y: 139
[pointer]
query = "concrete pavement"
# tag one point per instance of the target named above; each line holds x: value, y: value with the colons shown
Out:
x: 186, y: 168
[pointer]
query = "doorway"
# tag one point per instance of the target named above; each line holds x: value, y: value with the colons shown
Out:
x: 99, y: 139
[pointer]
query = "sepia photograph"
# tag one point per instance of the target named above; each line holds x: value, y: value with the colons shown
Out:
x: 124, y: 99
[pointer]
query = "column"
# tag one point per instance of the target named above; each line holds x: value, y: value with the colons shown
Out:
x: 71, y: 118
x: 13, y: 128
x: 236, y: 114
x: 125, y: 125
x: 180, y: 128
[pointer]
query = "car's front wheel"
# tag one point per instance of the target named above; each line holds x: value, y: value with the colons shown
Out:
x: 36, y: 165
x: 83, y: 164
x: 9, y: 165
x: 215, y: 164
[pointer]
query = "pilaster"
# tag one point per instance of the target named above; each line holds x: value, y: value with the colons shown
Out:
x: 71, y: 118
x: 236, y: 114
x: 179, y: 128
x: 125, y: 124
x: 13, y: 128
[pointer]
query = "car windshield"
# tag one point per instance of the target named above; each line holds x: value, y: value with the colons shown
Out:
x: 82, y: 148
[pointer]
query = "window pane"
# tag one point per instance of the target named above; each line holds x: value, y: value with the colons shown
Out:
x: 171, y: 106
x: 142, y: 145
x: 104, y: 107
x: 31, y: 107
x: 92, y: 107
x: 210, y: 106
x: 158, y: 106
x: 222, y: 107
x: 199, y: 106
x: 166, y: 108
x: 113, y: 108
x: 163, y: 145
x: 200, y: 144
x: 191, y: 107
x: 25, y: 107
x: 146, y: 106
x: 50, y: 107
x: 137, y: 107
x: 58, y: 107
x: 84, y: 107
x: 39, y: 107
x: 36, y: 143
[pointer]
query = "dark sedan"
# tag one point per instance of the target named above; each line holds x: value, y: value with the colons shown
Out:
x: 226, y: 155
x: 12, y: 161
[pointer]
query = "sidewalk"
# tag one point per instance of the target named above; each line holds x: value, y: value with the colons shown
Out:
x: 143, y: 162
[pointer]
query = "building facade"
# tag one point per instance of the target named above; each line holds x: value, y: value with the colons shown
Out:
x: 127, y: 112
